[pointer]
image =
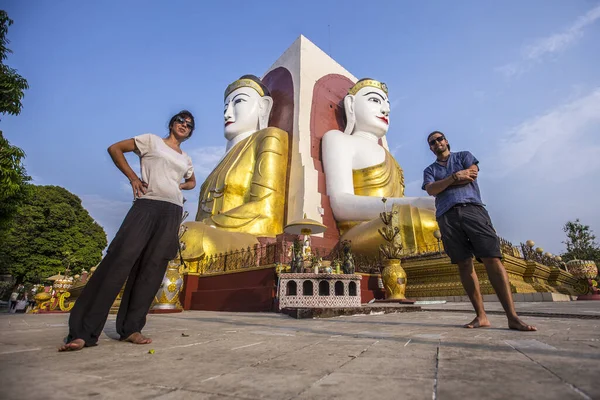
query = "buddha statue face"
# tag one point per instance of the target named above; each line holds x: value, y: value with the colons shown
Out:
x: 246, y: 111
x: 368, y: 110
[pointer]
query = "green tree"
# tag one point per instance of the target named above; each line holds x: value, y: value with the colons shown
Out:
x: 581, y: 242
x: 12, y: 85
x: 13, y: 180
x: 50, y: 231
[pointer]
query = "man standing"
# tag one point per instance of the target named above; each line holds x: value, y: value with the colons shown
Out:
x: 466, y: 227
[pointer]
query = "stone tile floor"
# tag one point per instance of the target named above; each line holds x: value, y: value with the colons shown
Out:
x: 224, y: 355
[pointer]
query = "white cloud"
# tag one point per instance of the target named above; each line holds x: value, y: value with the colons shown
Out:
x: 191, y: 207
x: 480, y: 95
x: 512, y: 69
x: 413, y: 189
x: 544, y: 172
x: 110, y: 213
x: 106, y: 212
x: 126, y: 188
x: 557, y: 145
x: 205, y: 160
x: 562, y: 40
x: 396, y: 101
x: 394, y: 151
x: 554, y: 43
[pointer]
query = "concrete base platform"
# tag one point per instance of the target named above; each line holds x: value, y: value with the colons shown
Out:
x: 235, y: 356
x: 566, y: 310
x: 399, y: 301
x: 165, y: 311
x: 300, y: 313
x: 517, y: 297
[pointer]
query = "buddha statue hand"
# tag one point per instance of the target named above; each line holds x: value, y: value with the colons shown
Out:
x: 202, y: 240
x: 425, y: 203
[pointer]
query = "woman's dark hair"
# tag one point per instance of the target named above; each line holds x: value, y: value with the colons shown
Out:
x: 183, y: 114
x: 440, y: 133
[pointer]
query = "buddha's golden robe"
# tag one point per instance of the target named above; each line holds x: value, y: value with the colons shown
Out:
x: 243, y: 197
x: 416, y: 225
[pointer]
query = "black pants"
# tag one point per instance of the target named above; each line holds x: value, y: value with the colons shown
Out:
x: 139, y: 254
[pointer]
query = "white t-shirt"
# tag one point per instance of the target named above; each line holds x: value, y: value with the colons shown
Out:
x: 163, y: 168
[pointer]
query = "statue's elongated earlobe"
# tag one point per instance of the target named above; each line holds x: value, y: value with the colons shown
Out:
x: 350, y: 116
x: 265, y: 106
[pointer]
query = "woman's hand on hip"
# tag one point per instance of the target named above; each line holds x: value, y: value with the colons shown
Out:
x: 139, y: 188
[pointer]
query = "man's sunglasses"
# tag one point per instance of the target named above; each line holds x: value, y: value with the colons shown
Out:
x: 182, y: 120
x: 436, y: 140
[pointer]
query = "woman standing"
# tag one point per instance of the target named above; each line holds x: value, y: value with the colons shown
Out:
x: 145, y: 242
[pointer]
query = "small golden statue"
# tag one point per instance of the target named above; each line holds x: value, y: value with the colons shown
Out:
x: 393, y: 275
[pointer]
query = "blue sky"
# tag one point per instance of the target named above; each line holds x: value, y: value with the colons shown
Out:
x: 516, y: 83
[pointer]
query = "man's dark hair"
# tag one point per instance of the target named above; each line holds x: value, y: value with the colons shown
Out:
x: 437, y: 132
x: 183, y: 114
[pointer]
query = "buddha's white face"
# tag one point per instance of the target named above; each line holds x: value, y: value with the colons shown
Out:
x: 242, y: 112
x: 372, y: 111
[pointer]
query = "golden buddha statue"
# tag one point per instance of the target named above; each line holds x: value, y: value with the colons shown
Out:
x: 244, y: 196
x: 359, y: 172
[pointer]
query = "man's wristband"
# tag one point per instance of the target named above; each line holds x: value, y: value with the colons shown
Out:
x: 454, y: 177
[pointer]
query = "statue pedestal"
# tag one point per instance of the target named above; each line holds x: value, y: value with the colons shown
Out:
x: 319, y: 290
x: 589, y: 297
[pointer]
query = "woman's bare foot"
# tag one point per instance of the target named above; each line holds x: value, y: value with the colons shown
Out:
x: 138, y: 338
x: 518, y: 325
x: 73, y: 345
x: 478, y: 322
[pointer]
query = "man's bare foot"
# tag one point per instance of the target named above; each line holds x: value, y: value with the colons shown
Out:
x: 73, y: 345
x: 478, y: 322
x: 518, y: 325
x: 138, y: 338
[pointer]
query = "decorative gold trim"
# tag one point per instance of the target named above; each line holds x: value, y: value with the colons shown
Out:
x: 206, y: 275
x: 244, y: 83
x: 61, y: 302
x: 369, y: 82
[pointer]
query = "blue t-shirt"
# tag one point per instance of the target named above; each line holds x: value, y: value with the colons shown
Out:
x: 453, y: 195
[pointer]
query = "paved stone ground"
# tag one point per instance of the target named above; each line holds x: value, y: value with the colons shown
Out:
x: 586, y: 309
x: 418, y: 355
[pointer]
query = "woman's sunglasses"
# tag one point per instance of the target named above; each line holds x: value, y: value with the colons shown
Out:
x: 182, y: 120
